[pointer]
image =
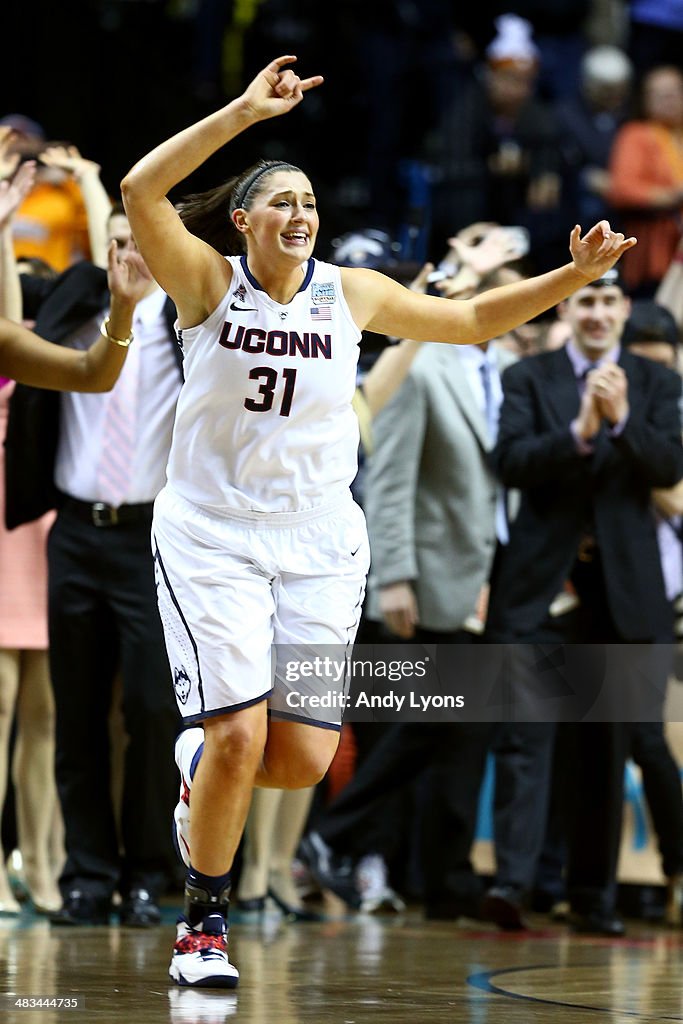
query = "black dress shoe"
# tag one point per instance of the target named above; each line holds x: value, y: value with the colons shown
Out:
x: 293, y: 913
x: 451, y: 908
x: 256, y: 905
x: 503, y: 906
x: 543, y: 900
x: 330, y: 870
x: 82, y: 908
x: 138, y: 910
x: 597, y: 922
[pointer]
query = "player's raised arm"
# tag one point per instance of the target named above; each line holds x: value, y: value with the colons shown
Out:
x: 382, y: 305
x: 189, y: 270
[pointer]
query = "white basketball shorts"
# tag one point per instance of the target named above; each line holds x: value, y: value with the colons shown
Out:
x: 241, y: 594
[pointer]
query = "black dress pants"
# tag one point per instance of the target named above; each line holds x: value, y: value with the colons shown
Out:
x: 450, y: 759
x: 103, y: 620
x: 662, y: 786
x: 567, y: 654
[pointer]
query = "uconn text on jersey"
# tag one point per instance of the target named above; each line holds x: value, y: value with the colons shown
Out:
x: 308, y: 344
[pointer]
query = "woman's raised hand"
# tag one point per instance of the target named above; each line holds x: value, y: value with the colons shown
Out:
x: 275, y: 91
x: 598, y: 250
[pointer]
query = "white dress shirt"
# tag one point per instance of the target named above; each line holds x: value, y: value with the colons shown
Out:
x: 83, y: 415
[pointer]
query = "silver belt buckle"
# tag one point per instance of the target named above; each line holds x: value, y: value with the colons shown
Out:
x: 104, y: 515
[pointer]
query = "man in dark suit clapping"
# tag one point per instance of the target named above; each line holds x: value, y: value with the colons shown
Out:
x: 585, y: 433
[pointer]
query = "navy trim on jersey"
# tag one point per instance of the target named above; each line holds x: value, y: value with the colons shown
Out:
x: 202, y: 715
x: 195, y: 760
x: 174, y: 599
x: 288, y: 717
x: 254, y: 283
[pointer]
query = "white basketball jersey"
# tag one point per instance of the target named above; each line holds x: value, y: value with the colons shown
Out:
x: 264, y: 421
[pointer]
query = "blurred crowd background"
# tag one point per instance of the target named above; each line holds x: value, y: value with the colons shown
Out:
x: 418, y: 100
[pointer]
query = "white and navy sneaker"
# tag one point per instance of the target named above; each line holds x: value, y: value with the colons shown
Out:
x: 200, y: 955
x: 372, y: 880
x: 188, y: 750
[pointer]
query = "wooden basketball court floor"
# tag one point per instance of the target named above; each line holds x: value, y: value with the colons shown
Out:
x: 358, y: 970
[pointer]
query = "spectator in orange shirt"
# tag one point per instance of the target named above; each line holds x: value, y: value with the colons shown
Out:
x: 52, y: 222
x: 646, y: 168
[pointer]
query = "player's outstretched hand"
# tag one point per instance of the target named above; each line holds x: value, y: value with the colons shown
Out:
x: 598, y: 250
x: 276, y: 91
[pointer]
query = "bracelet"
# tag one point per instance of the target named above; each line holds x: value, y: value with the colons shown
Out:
x: 104, y: 329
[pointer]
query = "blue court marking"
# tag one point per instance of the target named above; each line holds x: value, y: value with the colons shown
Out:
x: 482, y: 980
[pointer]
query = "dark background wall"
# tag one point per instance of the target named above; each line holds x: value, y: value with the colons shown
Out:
x: 114, y: 77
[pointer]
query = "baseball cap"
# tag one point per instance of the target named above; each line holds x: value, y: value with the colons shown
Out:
x: 650, y: 322
x: 23, y: 125
x: 607, y: 64
x: 611, y: 277
x: 368, y: 248
x: 513, y: 44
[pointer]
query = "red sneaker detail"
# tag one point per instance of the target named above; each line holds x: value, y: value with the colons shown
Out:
x: 200, y: 942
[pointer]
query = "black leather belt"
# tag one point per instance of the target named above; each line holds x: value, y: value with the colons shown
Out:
x: 97, y: 513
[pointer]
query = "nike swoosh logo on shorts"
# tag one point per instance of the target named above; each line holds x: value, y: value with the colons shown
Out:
x: 242, y: 309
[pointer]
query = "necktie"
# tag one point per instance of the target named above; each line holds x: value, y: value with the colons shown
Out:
x: 491, y: 413
x: 490, y: 410
x: 115, y: 468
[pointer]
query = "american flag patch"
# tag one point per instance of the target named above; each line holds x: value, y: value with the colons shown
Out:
x: 321, y: 312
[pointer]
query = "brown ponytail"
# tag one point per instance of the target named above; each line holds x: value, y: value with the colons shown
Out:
x: 207, y: 215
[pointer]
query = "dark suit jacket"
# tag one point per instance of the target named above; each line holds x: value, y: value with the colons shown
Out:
x: 59, y: 307
x: 563, y: 493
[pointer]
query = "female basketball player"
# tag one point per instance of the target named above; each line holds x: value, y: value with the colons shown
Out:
x: 258, y: 544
